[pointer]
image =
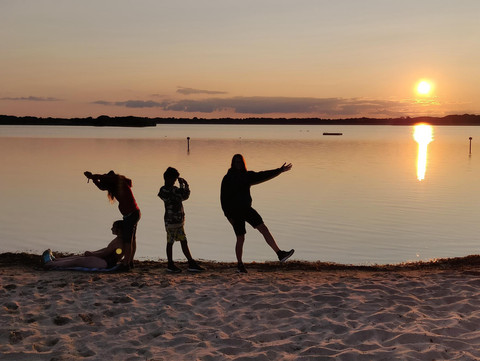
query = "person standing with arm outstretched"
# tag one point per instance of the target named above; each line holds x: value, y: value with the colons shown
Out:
x: 236, y: 202
x: 119, y: 188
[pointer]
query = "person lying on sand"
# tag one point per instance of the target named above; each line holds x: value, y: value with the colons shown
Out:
x: 106, y: 257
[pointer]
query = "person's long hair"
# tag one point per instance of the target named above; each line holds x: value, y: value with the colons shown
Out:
x: 239, y: 157
x: 114, y: 187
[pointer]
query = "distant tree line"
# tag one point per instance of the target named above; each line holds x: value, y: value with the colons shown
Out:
x: 131, y: 121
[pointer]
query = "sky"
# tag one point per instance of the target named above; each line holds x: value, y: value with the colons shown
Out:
x: 240, y: 59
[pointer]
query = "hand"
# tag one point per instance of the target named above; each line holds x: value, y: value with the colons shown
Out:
x: 88, y: 174
x: 181, y: 181
x: 286, y: 167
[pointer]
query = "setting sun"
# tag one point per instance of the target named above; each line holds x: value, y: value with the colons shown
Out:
x: 424, y: 88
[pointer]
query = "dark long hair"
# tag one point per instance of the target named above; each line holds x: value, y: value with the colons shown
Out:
x: 114, y: 185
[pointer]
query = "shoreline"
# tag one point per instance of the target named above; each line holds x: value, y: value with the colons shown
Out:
x: 30, y: 260
x: 298, y: 311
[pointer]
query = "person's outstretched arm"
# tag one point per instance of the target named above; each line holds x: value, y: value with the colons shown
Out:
x: 98, y: 180
x: 263, y: 176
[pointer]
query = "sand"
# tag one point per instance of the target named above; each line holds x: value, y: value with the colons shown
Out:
x: 294, y: 311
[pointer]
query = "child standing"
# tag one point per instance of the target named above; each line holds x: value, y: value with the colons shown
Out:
x: 174, y: 218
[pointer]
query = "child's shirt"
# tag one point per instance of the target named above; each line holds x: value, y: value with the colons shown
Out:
x: 173, y: 197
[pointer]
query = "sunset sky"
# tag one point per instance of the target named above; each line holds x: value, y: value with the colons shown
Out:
x: 222, y: 58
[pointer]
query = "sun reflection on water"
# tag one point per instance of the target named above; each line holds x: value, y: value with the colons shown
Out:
x: 423, y: 135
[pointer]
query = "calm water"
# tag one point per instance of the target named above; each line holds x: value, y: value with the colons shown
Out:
x: 353, y: 199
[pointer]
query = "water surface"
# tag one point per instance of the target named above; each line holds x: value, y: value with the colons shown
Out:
x: 354, y: 198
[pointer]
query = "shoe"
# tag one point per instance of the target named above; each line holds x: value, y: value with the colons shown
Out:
x: 241, y: 268
x: 194, y: 267
x: 47, y: 256
x: 283, y: 255
x: 173, y: 269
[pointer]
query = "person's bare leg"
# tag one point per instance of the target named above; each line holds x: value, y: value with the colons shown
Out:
x: 78, y: 261
x: 268, y: 237
x: 239, y: 248
x: 127, y: 248
x: 170, y: 253
x: 186, y: 250
x: 134, y: 247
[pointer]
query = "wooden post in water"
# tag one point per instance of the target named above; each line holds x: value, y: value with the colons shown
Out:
x: 188, y: 144
x: 470, y: 151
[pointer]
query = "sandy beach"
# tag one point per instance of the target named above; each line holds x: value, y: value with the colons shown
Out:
x: 292, y: 311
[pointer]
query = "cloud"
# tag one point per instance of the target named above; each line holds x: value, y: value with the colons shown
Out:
x: 280, y: 106
x: 190, y: 91
x: 139, y: 104
x: 132, y: 103
x: 33, y: 99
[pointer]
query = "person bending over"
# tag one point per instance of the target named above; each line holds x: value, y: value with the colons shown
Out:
x: 119, y: 188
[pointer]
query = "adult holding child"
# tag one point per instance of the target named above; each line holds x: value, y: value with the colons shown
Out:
x: 236, y: 202
x: 119, y: 188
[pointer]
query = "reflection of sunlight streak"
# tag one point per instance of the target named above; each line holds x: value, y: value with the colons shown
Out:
x: 422, y: 134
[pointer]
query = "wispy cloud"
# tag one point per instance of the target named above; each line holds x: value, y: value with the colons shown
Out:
x: 132, y: 103
x: 190, y: 91
x: 280, y: 106
x: 33, y: 99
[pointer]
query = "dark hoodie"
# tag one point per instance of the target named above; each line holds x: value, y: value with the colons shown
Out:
x: 235, y: 191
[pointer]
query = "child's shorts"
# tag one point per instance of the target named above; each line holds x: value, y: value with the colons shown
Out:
x: 176, y: 234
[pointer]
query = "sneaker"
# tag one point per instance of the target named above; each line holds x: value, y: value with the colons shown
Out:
x: 173, y: 269
x: 241, y: 268
x: 284, y: 255
x: 47, y: 256
x: 194, y: 267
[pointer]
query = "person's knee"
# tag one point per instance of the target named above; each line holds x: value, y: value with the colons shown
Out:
x: 262, y: 228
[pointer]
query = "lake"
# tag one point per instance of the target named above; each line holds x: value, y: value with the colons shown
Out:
x: 373, y: 195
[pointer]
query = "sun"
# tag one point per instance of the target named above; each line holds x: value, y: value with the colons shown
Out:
x: 424, y: 87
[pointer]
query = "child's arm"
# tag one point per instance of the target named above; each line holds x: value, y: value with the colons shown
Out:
x: 184, y: 188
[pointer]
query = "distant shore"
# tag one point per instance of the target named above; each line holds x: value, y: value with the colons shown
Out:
x: 131, y: 121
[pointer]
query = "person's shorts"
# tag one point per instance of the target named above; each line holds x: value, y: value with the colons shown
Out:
x: 251, y: 216
x: 176, y: 234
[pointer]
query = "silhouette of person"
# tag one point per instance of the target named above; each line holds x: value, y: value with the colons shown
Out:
x: 174, y: 218
x: 106, y: 257
x: 119, y: 188
x: 236, y: 204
